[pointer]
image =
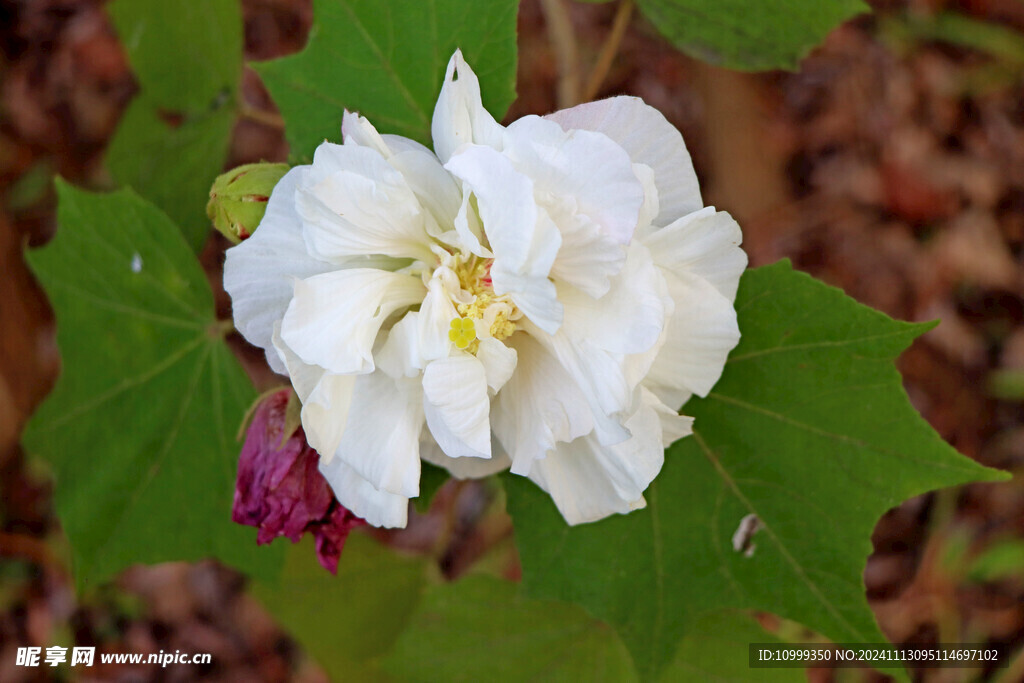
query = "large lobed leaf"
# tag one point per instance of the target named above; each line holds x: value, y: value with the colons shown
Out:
x: 810, y: 429
x: 140, y: 430
x: 173, y: 139
x: 479, y: 629
x: 349, y: 621
x: 386, y: 59
x: 739, y: 34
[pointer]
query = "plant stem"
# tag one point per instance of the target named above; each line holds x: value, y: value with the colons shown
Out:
x: 563, y: 42
x: 267, y: 118
x: 609, y: 50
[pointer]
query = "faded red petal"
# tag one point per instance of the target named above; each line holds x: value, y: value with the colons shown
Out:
x: 280, y: 491
x: 331, y: 535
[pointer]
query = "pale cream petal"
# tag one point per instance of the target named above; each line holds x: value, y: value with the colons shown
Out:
x: 334, y: 318
x: 701, y: 333
x: 649, y: 139
x: 538, y: 407
x: 459, y: 115
x: 464, y: 468
x: 457, y: 406
x: 499, y: 362
x: 354, y: 203
x: 258, y: 273
x: 381, y: 437
x: 379, y: 508
x: 705, y: 243
x: 325, y: 412
x: 589, y: 481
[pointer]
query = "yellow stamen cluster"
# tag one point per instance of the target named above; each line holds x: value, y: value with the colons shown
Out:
x: 473, y: 278
x: 502, y: 328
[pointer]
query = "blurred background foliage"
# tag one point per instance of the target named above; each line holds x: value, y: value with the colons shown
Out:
x: 890, y: 164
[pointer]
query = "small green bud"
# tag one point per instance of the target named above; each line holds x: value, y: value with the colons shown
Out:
x: 239, y: 197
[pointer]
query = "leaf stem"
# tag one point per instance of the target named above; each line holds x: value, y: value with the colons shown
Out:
x: 609, y: 50
x: 267, y: 118
x: 563, y: 42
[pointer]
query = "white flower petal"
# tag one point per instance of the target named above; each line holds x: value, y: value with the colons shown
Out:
x: 705, y: 243
x: 630, y: 317
x: 381, y: 437
x: 463, y: 468
x: 436, y: 315
x: 400, y: 355
x: 459, y: 115
x: 355, y: 203
x: 673, y: 425
x: 701, y: 333
x: 258, y: 272
x: 434, y: 187
x: 499, y: 362
x: 588, y: 257
x: 651, y: 206
x: 379, y: 508
x: 601, y: 375
x: 468, y: 231
x: 649, y: 139
x: 334, y: 318
x: 325, y: 413
x: 538, y: 407
x: 587, y: 166
x: 457, y: 406
x: 358, y: 131
x: 304, y: 377
x: 589, y: 481
x: 523, y: 239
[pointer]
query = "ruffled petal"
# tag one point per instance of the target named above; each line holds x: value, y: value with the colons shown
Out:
x: 649, y: 139
x: 523, y: 239
x: 630, y: 317
x: 258, y: 273
x: 436, y: 315
x: 587, y: 166
x: 457, y: 406
x: 379, y: 508
x: 701, y: 333
x: 381, y: 437
x: 354, y: 203
x: 334, y: 318
x: 589, y: 481
x: 325, y: 412
x: 304, y: 377
x: 459, y: 115
x: 705, y: 243
x: 464, y: 468
x: 499, y: 362
x: 538, y: 407
x: 400, y: 355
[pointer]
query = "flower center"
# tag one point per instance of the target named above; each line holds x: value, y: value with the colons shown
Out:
x: 498, y: 313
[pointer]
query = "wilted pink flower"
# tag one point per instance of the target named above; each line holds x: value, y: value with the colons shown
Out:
x: 280, y: 490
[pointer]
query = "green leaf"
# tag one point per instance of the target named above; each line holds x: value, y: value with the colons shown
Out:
x: 347, y: 622
x: 739, y: 34
x: 717, y: 649
x: 140, y: 430
x: 479, y: 629
x: 172, y: 141
x: 810, y: 429
x: 386, y: 59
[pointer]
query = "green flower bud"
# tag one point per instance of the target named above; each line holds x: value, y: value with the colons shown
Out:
x: 239, y: 197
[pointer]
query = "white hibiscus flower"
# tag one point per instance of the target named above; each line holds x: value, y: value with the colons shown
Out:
x: 540, y: 297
